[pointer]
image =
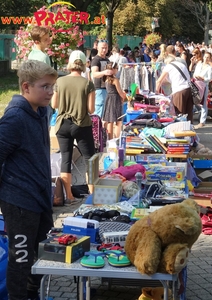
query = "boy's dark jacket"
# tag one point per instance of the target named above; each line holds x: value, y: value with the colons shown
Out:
x: 25, y: 156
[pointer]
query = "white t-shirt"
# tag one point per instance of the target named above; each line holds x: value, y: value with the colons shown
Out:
x: 85, y: 74
x: 204, y: 71
x: 178, y: 83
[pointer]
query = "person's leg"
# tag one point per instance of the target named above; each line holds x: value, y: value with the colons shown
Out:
x: 117, y: 130
x: 204, y: 109
x: 100, y: 96
x: 110, y: 130
x: 66, y: 142
x: 45, y: 224
x: 85, y: 141
x: 22, y: 228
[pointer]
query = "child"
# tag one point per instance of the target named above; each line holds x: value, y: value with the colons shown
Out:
x: 25, y: 189
x: 87, y: 73
x: 42, y: 40
x: 113, y: 104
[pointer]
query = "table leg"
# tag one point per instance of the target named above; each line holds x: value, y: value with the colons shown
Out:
x: 88, y: 288
x: 42, y: 287
x: 166, y: 289
x: 81, y: 281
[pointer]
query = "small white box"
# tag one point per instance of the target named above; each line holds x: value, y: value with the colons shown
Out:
x: 106, y: 191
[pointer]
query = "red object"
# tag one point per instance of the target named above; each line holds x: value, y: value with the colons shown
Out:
x: 147, y: 107
x: 104, y: 247
x: 164, y: 120
x: 67, y: 239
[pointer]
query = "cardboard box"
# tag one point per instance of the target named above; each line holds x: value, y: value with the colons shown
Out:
x: 204, y: 187
x: 52, y: 250
x: 106, y: 191
x: 80, y: 226
x: 202, y: 201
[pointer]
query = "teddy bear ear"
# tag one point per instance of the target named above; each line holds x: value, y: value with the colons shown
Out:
x: 147, y: 292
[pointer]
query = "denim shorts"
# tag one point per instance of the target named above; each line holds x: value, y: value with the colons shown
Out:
x: 100, y: 96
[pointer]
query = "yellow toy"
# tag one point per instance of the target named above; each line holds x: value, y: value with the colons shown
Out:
x: 150, y: 293
x: 160, y: 242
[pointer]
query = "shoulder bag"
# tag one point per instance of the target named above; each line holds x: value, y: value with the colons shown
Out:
x: 194, y: 89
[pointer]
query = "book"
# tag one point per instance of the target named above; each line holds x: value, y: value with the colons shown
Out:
x: 160, y: 142
x: 156, y: 144
x: 155, y: 147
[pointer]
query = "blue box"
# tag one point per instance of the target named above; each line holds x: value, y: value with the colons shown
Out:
x: 93, y: 233
x: 131, y: 115
x: 202, y: 164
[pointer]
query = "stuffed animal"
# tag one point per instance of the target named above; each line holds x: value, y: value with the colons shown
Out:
x: 150, y: 293
x: 160, y: 242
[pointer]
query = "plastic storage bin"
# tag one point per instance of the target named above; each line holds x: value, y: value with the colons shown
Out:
x: 132, y: 114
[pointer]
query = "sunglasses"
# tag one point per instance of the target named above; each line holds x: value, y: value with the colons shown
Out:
x: 103, y: 41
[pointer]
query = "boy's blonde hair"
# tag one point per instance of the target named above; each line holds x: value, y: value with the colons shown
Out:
x: 38, y: 32
x: 33, y: 70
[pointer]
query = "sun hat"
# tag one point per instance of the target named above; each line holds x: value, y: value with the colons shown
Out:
x: 75, y: 55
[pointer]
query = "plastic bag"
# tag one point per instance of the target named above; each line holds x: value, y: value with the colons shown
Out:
x: 3, y: 267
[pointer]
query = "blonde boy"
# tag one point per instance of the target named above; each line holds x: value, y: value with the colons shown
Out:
x: 25, y: 190
x: 42, y: 40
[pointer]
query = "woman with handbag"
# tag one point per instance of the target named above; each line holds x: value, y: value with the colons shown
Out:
x: 176, y: 73
x: 74, y: 97
x: 203, y: 72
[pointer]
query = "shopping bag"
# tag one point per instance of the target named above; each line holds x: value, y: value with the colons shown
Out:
x: 58, y: 197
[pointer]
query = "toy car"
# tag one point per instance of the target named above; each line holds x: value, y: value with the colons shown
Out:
x: 67, y: 239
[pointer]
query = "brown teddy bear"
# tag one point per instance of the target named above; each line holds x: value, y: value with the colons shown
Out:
x: 150, y: 293
x: 160, y: 242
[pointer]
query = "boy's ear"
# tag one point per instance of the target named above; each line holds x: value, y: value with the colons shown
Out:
x: 36, y: 42
x: 25, y: 87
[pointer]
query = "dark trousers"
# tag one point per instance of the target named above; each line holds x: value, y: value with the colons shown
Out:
x: 66, y: 135
x: 25, y: 229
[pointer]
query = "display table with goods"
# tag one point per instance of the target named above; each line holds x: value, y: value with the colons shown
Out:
x: 47, y: 268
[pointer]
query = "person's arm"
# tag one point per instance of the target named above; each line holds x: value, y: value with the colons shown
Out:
x: 192, y: 64
x: 91, y: 102
x: 160, y: 80
x: 99, y: 74
x: 118, y: 87
x: 10, y: 136
x: 54, y: 100
x: 184, y: 56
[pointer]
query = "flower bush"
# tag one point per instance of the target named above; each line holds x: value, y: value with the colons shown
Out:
x: 65, y: 38
x: 152, y: 38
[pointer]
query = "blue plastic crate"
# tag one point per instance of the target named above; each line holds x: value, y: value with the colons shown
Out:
x: 131, y: 115
x: 202, y: 163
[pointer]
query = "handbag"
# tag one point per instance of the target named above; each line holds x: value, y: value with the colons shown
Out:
x: 58, y: 198
x: 194, y: 89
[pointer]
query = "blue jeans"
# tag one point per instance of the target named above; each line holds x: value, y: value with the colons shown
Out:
x: 100, y: 96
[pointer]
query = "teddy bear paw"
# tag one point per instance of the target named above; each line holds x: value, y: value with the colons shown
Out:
x: 181, y: 259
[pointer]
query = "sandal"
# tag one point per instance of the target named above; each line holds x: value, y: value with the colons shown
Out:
x: 72, y: 202
x: 93, y: 259
x: 117, y: 258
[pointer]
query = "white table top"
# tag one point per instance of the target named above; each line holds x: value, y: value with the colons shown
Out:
x: 75, y: 269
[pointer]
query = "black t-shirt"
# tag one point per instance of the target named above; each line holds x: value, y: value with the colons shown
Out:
x: 101, y: 63
x: 93, y: 53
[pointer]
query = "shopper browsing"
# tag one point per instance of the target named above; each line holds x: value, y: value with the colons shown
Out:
x: 113, y: 109
x: 74, y: 97
x: 25, y: 189
x: 98, y: 71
